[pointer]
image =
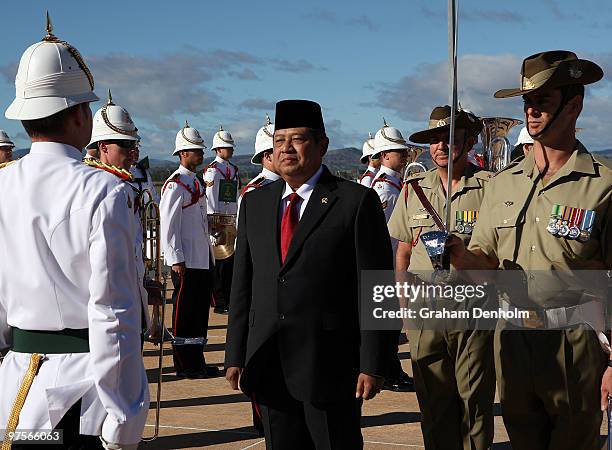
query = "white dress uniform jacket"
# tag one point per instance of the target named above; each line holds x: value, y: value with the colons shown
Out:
x: 265, y: 177
x: 184, y: 223
x: 136, y: 197
x: 388, y: 185
x: 216, y: 171
x: 65, y: 232
x: 368, y: 176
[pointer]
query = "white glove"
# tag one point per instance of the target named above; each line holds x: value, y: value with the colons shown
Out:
x: 213, y: 240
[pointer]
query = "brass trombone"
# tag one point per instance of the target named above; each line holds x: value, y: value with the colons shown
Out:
x: 155, y: 284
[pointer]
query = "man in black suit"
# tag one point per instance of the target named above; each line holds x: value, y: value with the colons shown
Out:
x: 294, y: 340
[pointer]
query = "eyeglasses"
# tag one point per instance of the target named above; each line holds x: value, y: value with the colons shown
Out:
x: 124, y: 143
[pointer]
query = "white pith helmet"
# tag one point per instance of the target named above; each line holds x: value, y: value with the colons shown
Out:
x: 188, y: 138
x: 263, y: 141
x: 368, y: 149
x: 112, y: 122
x: 52, y: 76
x: 389, y: 138
x: 222, y: 139
x: 5, y: 140
x: 523, y: 137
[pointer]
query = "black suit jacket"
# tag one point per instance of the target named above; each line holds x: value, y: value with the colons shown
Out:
x: 309, y: 304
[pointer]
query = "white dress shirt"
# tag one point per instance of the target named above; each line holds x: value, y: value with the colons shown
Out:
x: 304, y: 192
x: 68, y: 262
x: 218, y: 170
x: 184, y: 224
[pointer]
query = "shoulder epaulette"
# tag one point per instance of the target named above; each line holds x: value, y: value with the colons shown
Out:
x: 515, y: 162
x: 117, y: 171
x: 6, y: 164
x: 601, y: 161
x: 420, y: 175
x: 212, y: 165
x: 172, y: 179
x: 484, y: 175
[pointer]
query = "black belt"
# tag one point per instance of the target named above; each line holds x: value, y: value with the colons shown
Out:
x: 38, y: 341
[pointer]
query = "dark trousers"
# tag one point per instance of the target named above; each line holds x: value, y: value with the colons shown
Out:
x: 549, y: 386
x: 395, y: 365
x: 191, y: 298
x: 298, y: 425
x: 72, y: 440
x: 222, y: 281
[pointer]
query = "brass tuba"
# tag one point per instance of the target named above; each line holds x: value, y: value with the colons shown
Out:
x: 155, y: 284
x: 496, y: 147
x: 413, y: 166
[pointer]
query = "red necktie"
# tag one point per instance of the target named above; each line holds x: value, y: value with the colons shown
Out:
x: 288, y: 224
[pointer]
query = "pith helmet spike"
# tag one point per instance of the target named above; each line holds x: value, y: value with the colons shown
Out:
x: 220, y: 127
x: 186, y: 124
x: 268, y: 121
x: 385, y: 123
x: 370, y: 135
x: 49, y: 24
x: 50, y: 36
x: 110, y: 98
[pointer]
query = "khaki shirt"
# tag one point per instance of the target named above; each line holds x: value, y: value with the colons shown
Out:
x: 410, y: 219
x: 516, y: 210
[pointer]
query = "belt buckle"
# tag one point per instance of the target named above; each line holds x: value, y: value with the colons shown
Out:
x: 535, y: 320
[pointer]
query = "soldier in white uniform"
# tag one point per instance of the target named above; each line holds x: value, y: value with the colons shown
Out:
x: 186, y: 246
x: 72, y: 320
x: 393, y: 153
x: 391, y: 147
x: 6, y: 148
x: 264, y: 145
x: 115, y: 136
x: 369, y: 156
x: 263, y: 157
x: 222, y: 188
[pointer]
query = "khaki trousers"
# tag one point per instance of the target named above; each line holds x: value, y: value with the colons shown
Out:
x: 549, y: 386
x: 455, y: 383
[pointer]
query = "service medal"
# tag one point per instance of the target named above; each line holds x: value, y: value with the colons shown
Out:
x: 459, y: 222
x: 553, y: 226
x: 586, y: 226
x: 469, y: 228
x: 564, y: 230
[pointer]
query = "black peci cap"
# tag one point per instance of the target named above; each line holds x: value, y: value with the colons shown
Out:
x: 297, y: 114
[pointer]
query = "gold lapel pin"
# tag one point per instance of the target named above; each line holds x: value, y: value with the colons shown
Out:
x: 324, y: 200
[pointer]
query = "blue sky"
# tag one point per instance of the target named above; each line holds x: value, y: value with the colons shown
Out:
x: 228, y: 62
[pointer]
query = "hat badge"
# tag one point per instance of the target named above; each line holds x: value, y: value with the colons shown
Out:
x: 528, y: 84
x: 575, y: 72
x: 441, y: 123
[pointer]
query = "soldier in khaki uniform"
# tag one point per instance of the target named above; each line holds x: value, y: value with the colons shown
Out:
x: 547, y: 214
x: 453, y: 369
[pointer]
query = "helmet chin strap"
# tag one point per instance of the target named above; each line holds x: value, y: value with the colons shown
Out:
x: 458, y: 157
x: 564, y: 101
